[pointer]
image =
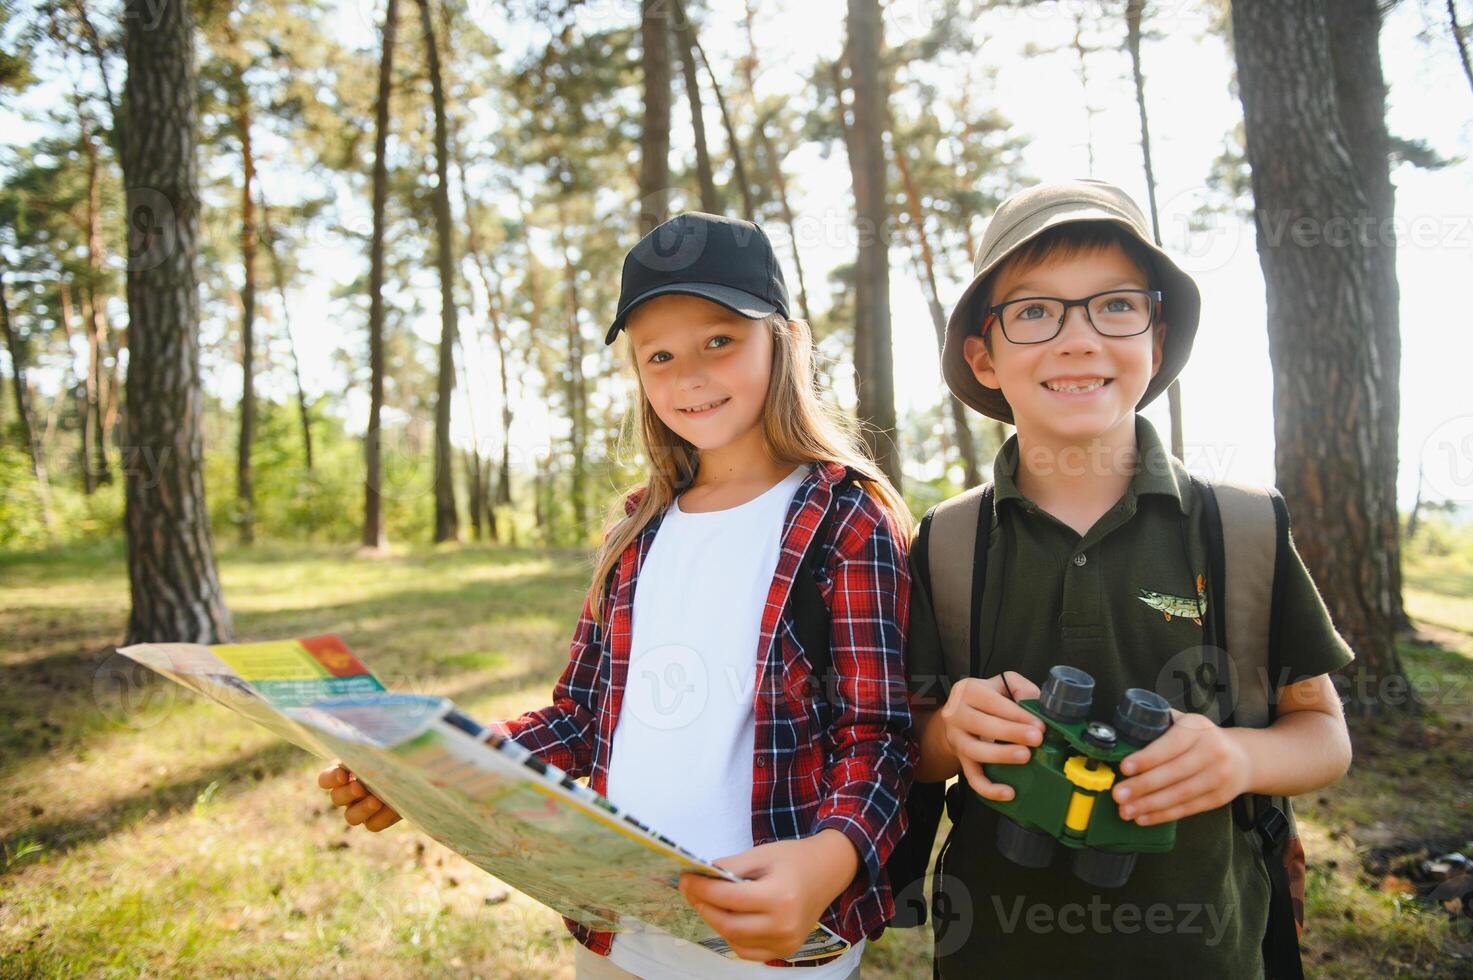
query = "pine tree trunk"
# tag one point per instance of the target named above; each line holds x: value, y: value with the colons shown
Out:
x: 373, y: 513
x: 171, y: 560
x: 926, y: 263
x: 1460, y: 38
x: 96, y: 320
x: 278, y: 280
x: 1329, y: 382
x: 654, y: 142
x: 577, y: 390
x: 23, y: 408
x: 1360, y: 97
x: 685, y: 37
x: 474, y: 472
x: 86, y: 393
x: 245, y: 495
x: 495, y: 302
x: 447, y: 521
x: 774, y: 161
x: 1133, y: 12
x: 733, y: 145
x: 872, y: 268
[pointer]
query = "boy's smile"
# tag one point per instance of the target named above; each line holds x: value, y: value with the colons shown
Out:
x: 1080, y: 385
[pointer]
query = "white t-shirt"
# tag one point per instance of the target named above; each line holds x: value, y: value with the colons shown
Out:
x: 681, y: 759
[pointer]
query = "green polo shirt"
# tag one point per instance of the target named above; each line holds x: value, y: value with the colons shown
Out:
x: 1110, y: 602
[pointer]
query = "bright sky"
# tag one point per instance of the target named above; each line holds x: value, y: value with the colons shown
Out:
x: 1227, y: 386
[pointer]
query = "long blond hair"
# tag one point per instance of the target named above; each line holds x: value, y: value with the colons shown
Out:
x: 797, y: 427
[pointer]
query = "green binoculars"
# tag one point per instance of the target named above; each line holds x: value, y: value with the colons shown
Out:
x: 1061, y: 795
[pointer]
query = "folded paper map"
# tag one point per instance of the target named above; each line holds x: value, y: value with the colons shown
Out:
x: 481, y: 795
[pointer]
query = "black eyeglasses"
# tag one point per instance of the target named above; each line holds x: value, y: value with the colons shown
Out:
x: 1114, y: 313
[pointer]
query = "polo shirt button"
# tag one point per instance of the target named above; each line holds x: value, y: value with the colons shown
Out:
x: 762, y: 762
x: 1079, y: 559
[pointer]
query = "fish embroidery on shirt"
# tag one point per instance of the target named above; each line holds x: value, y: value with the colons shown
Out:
x: 1174, y: 605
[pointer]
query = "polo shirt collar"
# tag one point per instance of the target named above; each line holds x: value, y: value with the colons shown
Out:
x: 1157, y: 471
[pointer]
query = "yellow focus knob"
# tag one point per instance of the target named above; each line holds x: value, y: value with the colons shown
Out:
x: 1089, y: 774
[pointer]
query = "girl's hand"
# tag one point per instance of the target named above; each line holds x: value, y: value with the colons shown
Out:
x: 793, y: 881
x: 984, y: 724
x: 1196, y: 766
x: 362, y: 806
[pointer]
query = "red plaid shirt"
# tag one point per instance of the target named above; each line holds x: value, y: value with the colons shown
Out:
x: 844, y: 761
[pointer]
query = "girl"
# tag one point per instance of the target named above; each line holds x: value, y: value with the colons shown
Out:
x: 687, y: 660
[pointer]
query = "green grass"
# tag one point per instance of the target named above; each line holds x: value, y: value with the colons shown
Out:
x: 144, y: 831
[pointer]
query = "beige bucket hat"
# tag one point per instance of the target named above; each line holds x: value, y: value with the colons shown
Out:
x: 1025, y: 216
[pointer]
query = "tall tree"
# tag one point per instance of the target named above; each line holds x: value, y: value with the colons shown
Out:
x: 577, y: 384
x: 733, y: 143
x: 1460, y: 39
x: 1360, y: 97
x: 925, y: 261
x: 373, y: 509
x: 271, y: 236
x: 495, y: 304
x: 95, y: 299
x: 774, y: 159
x: 447, y: 521
x: 685, y: 37
x: 244, y: 490
x: 654, y: 141
x: 1329, y: 380
x: 874, y: 362
x: 171, y: 560
x: 1134, y: 11
x: 15, y: 348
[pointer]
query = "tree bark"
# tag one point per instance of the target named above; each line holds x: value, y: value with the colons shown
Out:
x: 1360, y: 97
x: 245, y: 495
x: 447, y: 521
x: 685, y: 37
x: 171, y: 560
x: 373, y: 513
x: 23, y: 408
x: 1329, y: 379
x: 872, y: 267
x: 654, y: 142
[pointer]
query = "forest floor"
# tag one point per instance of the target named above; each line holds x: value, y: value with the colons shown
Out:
x: 161, y: 834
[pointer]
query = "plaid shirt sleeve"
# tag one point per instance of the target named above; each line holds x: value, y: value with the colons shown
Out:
x: 873, y: 746
x: 563, y: 733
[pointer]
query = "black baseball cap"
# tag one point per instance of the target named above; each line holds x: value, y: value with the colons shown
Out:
x: 724, y: 260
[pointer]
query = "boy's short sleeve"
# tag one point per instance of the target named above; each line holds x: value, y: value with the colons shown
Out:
x: 1308, y: 642
x: 924, y: 666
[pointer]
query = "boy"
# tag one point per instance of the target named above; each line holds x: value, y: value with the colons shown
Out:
x: 1072, y: 322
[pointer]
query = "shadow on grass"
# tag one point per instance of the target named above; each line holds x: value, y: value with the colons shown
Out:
x: 233, y: 775
x: 57, y: 837
x: 420, y: 637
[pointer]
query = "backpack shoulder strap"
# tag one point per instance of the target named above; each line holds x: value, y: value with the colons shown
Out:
x: 956, y: 566
x: 950, y: 558
x: 1248, y: 544
x: 1251, y: 533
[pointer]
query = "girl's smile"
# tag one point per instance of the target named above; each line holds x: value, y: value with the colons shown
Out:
x: 705, y: 409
